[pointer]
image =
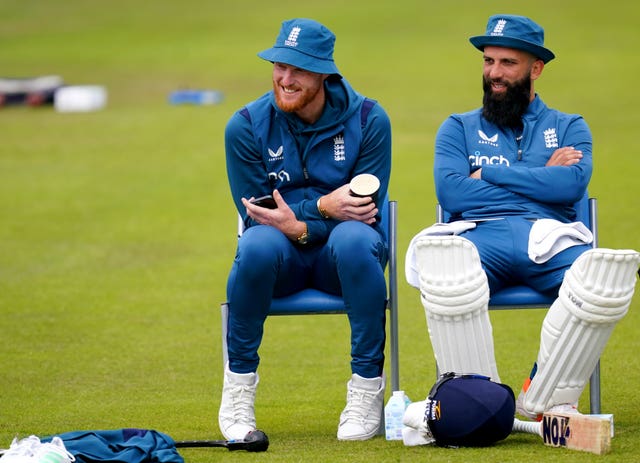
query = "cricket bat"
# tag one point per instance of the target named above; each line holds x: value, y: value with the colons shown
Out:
x: 588, y: 433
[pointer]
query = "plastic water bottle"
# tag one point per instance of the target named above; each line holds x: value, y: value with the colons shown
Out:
x: 196, y: 97
x: 393, y: 413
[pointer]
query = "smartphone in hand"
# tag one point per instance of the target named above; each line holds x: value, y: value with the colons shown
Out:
x: 265, y: 201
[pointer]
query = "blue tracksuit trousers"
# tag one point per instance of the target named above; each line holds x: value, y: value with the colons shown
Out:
x: 503, y: 248
x: 267, y: 264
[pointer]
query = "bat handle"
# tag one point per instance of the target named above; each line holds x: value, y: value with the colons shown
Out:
x: 531, y: 427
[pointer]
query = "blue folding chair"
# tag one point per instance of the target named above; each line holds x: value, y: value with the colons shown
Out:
x: 311, y: 301
x: 525, y: 297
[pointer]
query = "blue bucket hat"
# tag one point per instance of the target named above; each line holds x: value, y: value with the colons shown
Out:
x: 510, y: 31
x: 305, y: 44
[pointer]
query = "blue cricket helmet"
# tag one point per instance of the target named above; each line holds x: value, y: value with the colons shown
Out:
x: 469, y: 411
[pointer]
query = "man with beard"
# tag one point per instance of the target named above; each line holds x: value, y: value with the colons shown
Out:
x: 302, y: 143
x: 509, y: 175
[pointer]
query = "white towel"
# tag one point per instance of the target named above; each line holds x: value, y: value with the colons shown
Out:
x: 412, y: 437
x: 548, y: 237
x: 415, y: 431
x: 453, y: 228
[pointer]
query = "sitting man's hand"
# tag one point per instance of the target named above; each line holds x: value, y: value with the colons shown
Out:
x: 341, y: 205
x: 282, y: 217
x: 565, y: 156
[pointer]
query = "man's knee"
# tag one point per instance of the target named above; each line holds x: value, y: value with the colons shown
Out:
x: 261, y: 247
x: 261, y: 240
x: 357, y: 241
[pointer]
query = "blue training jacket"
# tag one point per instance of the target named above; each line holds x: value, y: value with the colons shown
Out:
x: 515, y: 181
x: 127, y: 445
x: 269, y: 149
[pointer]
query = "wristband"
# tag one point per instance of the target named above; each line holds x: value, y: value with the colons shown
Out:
x: 304, y: 236
x: 321, y: 210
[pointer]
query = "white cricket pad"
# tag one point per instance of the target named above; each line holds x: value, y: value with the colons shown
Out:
x: 595, y: 294
x: 455, y: 295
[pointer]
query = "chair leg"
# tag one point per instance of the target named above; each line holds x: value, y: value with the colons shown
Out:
x: 224, y: 322
x: 594, y: 390
x: 393, y: 296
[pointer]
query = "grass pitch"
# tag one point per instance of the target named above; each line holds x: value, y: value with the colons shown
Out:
x: 117, y: 227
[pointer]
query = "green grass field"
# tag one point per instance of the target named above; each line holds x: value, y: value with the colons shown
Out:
x: 117, y: 227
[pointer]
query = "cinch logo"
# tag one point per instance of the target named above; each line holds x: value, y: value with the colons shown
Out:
x: 338, y: 148
x: 556, y: 430
x: 486, y: 140
x: 550, y: 138
x: 500, y: 25
x: 477, y: 159
x: 278, y: 155
x: 292, y: 40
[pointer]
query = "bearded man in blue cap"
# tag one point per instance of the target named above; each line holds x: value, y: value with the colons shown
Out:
x: 509, y: 175
x: 302, y: 143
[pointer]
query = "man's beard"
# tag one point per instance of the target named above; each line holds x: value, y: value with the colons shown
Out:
x: 308, y: 94
x: 506, y: 109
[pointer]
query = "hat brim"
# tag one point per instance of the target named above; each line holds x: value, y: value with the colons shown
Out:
x: 298, y: 59
x: 481, y: 41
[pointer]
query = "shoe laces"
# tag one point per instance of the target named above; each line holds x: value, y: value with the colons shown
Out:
x: 359, y: 404
x: 243, y: 397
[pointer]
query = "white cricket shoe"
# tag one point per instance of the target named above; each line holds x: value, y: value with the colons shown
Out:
x: 236, y: 416
x: 54, y: 452
x: 31, y: 450
x: 559, y: 408
x: 569, y: 409
x: 21, y: 451
x: 361, y: 418
x: 523, y: 411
